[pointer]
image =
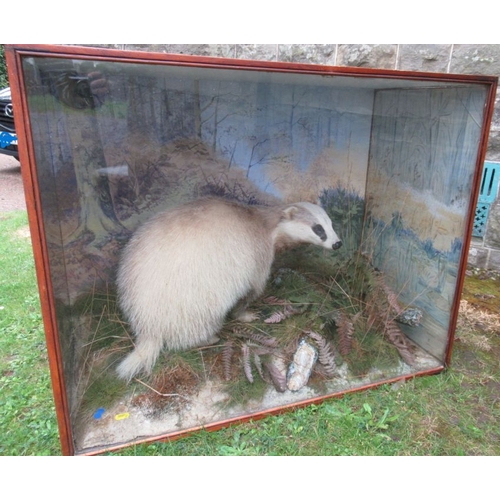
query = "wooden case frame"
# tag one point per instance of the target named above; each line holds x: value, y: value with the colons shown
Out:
x: 16, y: 54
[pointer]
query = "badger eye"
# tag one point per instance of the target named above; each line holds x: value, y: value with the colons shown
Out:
x: 319, y: 230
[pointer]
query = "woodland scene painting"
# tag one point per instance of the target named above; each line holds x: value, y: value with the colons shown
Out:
x: 391, y: 163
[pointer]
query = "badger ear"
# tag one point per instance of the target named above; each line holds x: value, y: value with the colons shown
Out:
x: 289, y: 212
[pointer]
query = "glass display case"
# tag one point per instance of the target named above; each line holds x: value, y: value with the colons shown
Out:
x: 112, y: 141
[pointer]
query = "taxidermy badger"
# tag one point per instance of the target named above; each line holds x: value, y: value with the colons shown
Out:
x: 185, y: 269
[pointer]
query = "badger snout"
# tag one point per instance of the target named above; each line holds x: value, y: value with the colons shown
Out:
x: 337, y: 245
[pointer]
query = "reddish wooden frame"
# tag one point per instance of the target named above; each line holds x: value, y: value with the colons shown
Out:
x: 14, y: 54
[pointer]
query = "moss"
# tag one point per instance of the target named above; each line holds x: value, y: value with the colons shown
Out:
x: 482, y: 289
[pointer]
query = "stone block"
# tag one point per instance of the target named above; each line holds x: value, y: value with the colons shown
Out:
x: 476, y: 59
x: 494, y: 260
x: 493, y: 152
x: 308, y: 53
x: 430, y: 58
x: 478, y: 256
x: 371, y: 56
x: 118, y: 46
x: 214, y: 50
x: 259, y: 52
x: 492, y: 236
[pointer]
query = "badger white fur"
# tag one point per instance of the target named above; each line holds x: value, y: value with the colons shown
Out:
x: 185, y: 269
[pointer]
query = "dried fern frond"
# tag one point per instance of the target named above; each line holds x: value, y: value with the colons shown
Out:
x: 247, y: 367
x: 325, y: 355
x: 398, y: 339
x: 240, y: 331
x: 275, y: 301
x: 278, y: 377
x: 345, y: 329
x: 258, y: 364
x: 279, y: 316
x: 227, y: 355
x: 372, y: 317
x: 370, y: 312
x: 262, y: 350
x: 276, y: 317
x: 391, y: 297
x: 261, y: 338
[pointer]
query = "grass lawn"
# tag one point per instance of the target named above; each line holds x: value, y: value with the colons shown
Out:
x: 454, y: 413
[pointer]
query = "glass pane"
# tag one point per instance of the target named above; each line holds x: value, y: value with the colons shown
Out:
x: 117, y: 143
x: 424, y: 147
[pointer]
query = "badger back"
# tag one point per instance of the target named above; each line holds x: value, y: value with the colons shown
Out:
x: 183, y: 270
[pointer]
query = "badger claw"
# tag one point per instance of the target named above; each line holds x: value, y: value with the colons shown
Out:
x: 212, y: 340
x: 247, y: 317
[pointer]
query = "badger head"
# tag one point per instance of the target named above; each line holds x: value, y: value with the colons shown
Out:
x: 307, y: 223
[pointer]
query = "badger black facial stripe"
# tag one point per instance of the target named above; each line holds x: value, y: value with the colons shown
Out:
x: 320, y: 231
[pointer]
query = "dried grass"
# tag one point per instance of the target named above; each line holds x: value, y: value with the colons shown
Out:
x: 475, y: 326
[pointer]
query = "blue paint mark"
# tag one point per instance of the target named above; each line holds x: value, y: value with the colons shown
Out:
x: 98, y: 414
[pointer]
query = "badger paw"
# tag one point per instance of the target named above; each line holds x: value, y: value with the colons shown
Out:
x: 247, y: 317
x: 212, y: 340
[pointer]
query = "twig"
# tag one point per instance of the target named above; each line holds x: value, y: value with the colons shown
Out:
x: 157, y: 392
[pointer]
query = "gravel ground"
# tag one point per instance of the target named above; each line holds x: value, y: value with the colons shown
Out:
x: 11, y: 185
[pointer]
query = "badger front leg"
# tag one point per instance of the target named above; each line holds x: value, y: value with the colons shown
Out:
x: 256, y: 289
x: 240, y: 311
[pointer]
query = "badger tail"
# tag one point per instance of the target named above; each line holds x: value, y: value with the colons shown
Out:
x: 141, y: 359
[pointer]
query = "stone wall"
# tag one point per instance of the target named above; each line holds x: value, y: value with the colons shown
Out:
x: 442, y: 58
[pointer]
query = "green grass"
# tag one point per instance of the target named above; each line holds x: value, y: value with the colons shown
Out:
x: 455, y: 413
x: 27, y: 415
